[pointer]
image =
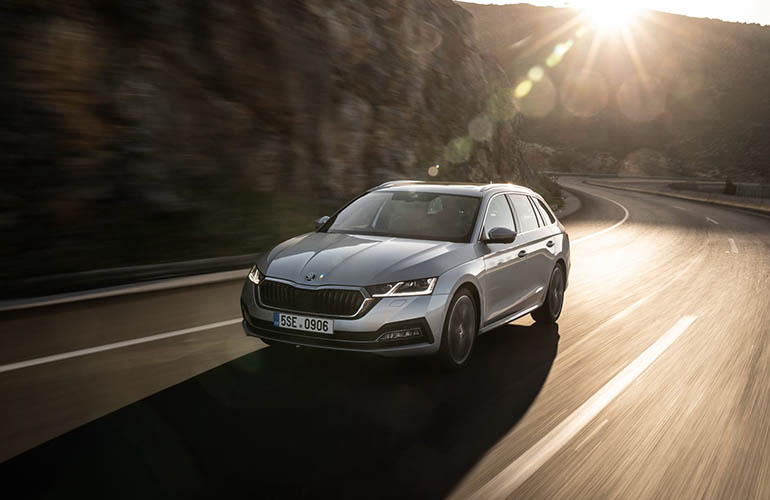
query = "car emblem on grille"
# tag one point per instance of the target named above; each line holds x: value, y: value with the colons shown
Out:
x: 309, y: 276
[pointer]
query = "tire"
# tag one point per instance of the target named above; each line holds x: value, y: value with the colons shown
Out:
x: 550, y: 311
x: 460, y: 330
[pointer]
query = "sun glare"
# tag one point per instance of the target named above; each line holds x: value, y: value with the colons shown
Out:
x: 609, y: 14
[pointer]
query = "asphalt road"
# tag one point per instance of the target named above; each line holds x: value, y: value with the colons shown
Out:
x: 654, y: 384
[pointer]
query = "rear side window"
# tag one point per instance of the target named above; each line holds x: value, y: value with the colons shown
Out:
x: 524, y: 212
x: 545, y: 211
x: 540, y: 219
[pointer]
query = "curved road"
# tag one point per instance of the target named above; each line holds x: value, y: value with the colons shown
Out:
x: 654, y: 384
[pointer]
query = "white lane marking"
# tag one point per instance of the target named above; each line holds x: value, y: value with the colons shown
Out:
x: 514, y: 475
x: 116, y: 345
x: 679, y: 208
x: 622, y: 314
x: 592, y: 434
x: 733, y: 247
x: 628, y: 310
x: 712, y: 221
x: 624, y: 219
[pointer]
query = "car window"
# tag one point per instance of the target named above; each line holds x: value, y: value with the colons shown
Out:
x: 539, y: 216
x: 524, y: 212
x: 409, y: 214
x: 545, y: 210
x: 499, y: 215
x: 361, y: 214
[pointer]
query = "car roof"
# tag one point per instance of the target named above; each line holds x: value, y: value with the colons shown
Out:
x: 460, y: 188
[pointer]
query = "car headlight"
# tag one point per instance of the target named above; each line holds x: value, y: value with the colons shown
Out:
x: 256, y: 276
x: 422, y: 286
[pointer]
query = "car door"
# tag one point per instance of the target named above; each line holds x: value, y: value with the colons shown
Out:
x: 536, y: 242
x: 504, y: 274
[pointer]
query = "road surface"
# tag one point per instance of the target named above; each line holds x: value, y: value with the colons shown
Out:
x: 654, y: 384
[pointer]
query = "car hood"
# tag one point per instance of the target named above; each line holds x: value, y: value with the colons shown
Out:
x: 344, y: 259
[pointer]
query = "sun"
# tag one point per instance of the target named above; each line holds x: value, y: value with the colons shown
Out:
x: 609, y: 15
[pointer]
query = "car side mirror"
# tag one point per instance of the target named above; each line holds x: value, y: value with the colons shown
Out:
x: 500, y: 235
x: 321, y: 221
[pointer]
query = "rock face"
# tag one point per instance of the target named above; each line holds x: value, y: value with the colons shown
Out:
x: 149, y: 130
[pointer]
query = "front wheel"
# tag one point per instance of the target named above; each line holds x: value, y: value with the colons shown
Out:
x: 460, y: 327
x: 550, y: 311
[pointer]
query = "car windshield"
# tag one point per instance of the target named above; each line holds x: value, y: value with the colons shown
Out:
x: 409, y: 214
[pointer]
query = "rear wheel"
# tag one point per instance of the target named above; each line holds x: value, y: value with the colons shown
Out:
x: 460, y: 328
x: 550, y: 311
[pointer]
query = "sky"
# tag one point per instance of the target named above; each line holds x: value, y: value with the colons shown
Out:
x: 745, y: 11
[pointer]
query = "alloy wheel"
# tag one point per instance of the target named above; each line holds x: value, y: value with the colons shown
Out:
x: 462, y: 329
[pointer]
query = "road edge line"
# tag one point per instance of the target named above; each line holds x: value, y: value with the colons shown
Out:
x: 605, y: 230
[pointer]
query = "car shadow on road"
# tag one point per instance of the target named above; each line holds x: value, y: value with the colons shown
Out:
x: 303, y: 424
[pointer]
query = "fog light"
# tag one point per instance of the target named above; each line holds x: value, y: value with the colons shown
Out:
x: 401, y: 334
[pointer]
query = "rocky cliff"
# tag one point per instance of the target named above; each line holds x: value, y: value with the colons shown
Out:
x: 149, y: 130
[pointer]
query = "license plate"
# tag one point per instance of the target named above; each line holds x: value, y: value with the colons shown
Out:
x: 303, y: 323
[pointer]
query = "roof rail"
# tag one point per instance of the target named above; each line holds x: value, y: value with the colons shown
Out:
x: 496, y: 185
x: 396, y: 183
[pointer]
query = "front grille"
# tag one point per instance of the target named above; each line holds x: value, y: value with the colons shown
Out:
x: 326, y: 301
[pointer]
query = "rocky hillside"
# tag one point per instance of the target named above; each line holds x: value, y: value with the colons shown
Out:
x: 672, y: 95
x: 151, y: 130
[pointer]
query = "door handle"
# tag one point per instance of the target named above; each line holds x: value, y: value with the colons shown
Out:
x: 550, y: 244
x: 522, y: 253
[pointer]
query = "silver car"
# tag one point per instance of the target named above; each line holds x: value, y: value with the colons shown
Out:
x: 412, y: 268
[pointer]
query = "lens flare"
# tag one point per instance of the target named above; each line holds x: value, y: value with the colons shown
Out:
x: 522, y: 89
x: 480, y: 128
x: 584, y: 93
x: 557, y: 55
x: 423, y: 38
x: 535, y: 73
x: 607, y: 15
x: 459, y: 149
x: 535, y: 99
x: 642, y: 98
x: 500, y: 106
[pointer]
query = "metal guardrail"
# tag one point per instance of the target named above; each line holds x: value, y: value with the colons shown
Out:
x: 743, y: 189
x: 43, y: 286
x: 752, y: 191
x: 761, y: 207
x: 616, y: 176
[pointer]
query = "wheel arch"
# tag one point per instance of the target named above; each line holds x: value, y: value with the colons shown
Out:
x: 561, y: 262
x: 475, y: 294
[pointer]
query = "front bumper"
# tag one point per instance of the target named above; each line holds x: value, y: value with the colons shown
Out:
x: 359, y: 334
